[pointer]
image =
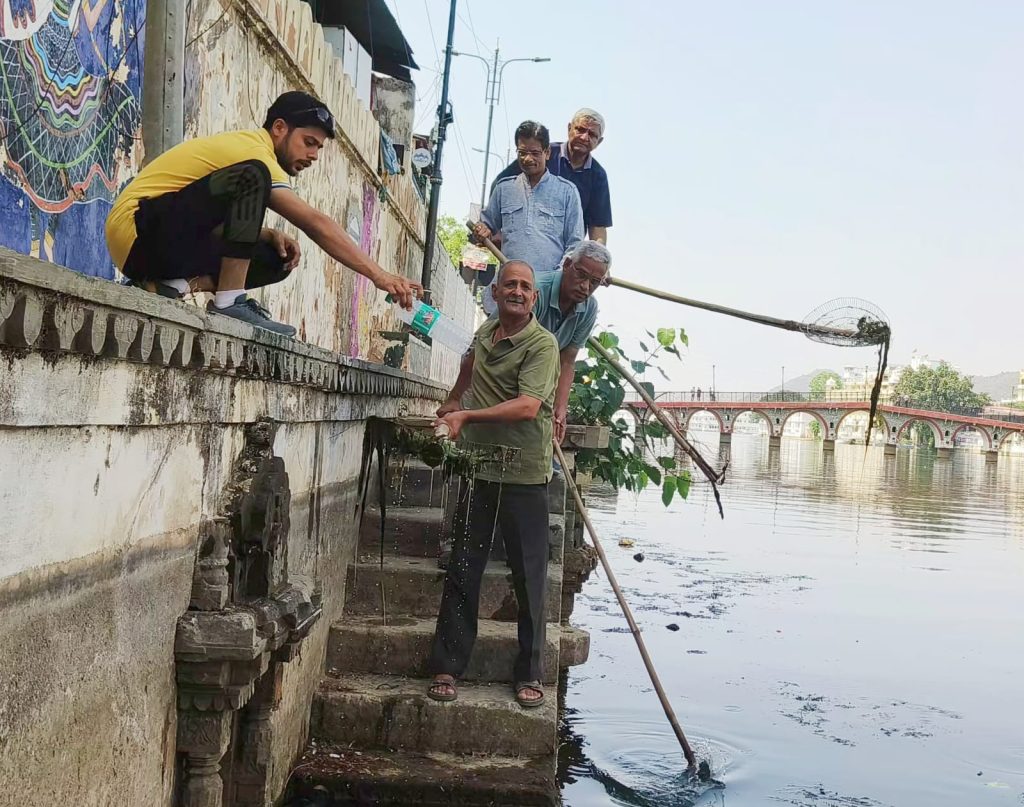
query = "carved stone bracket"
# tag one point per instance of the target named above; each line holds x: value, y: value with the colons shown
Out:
x: 245, y: 620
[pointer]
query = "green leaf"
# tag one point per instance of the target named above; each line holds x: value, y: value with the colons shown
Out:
x: 653, y: 473
x: 608, y: 340
x: 683, y: 484
x: 674, y: 351
x: 662, y: 372
x: 666, y: 336
x: 668, y: 463
x: 638, y: 366
x: 647, y: 385
x: 650, y: 335
x: 668, y: 490
x: 644, y: 348
x: 684, y: 338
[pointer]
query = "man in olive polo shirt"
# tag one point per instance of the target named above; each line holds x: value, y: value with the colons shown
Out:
x: 512, y: 390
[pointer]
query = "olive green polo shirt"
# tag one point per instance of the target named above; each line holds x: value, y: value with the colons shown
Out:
x: 523, y: 364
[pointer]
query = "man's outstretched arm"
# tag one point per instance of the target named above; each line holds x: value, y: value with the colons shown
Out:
x: 332, y: 239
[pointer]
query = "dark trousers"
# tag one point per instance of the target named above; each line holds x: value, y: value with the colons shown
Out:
x: 522, y: 512
x: 186, y: 233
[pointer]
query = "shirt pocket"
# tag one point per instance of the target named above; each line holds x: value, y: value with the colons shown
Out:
x: 513, y: 217
x: 551, y: 221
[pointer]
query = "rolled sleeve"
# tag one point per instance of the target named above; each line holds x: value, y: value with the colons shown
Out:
x: 538, y: 374
x: 491, y: 215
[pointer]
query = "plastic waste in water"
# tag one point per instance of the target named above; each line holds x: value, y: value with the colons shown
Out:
x: 427, y: 320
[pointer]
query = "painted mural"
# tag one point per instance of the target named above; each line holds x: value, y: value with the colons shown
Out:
x: 70, y: 109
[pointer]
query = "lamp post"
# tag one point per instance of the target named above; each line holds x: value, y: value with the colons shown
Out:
x: 491, y: 97
x: 783, y: 382
x: 712, y: 378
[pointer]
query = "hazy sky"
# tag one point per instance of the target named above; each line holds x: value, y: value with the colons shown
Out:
x: 771, y: 156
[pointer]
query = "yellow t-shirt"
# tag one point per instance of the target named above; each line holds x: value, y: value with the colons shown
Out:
x: 181, y: 166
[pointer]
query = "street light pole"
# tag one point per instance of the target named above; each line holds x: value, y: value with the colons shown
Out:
x: 712, y: 378
x: 491, y: 98
x: 783, y: 382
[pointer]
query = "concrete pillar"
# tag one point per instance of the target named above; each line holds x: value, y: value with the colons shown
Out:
x: 774, y: 440
x: 992, y: 455
x: 943, y: 452
x: 828, y: 445
x: 890, y: 449
x: 163, y: 81
x: 725, y: 438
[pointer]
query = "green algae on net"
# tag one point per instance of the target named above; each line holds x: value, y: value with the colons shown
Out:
x: 415, y: 437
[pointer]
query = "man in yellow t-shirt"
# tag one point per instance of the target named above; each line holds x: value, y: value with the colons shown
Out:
x: 192, y: 220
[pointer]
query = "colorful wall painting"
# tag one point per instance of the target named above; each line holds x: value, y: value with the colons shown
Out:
x: 70, y: 113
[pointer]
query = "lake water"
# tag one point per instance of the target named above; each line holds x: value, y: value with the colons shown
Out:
x: 850, y: 635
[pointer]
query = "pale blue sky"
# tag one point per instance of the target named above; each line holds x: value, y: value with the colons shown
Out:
x: 772, y: 155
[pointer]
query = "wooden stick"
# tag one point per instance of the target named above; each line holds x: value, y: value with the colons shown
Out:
x: 691, y: 758
x: 712, y: 475
x: 775, y: 322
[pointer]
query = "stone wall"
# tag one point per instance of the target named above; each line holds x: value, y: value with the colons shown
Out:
x: 125, y: 422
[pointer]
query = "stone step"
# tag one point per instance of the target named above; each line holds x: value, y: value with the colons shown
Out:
x: 387, y: 712
x: 413, y: 586
x: 415, y: 531
x: 336, y: 774
x: 365, y: 645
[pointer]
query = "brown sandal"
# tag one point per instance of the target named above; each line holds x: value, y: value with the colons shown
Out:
x: 436, y: 690
x: 529, y: 703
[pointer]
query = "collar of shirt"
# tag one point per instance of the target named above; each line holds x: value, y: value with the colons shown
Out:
x: 564, y: 151
x: 514, y: 339
x: 524, y: 182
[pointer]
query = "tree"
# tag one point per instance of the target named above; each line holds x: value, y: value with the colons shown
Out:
x: 819, y: 384
x: 941, y: 389
x: 454, y: 236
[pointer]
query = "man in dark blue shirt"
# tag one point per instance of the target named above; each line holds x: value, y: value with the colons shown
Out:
x: 572, y: 160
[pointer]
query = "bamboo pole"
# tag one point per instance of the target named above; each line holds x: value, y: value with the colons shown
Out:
x: 775, y: 322
x: 691, y: 759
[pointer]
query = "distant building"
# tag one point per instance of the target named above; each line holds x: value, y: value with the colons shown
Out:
x: 1018, y: 393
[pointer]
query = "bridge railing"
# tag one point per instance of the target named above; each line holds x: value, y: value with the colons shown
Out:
x: 818, y: 400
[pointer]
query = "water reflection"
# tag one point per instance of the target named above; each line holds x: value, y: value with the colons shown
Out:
x: 848, y: 635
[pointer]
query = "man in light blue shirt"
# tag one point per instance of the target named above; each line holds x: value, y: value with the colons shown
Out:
x: 537, y: 215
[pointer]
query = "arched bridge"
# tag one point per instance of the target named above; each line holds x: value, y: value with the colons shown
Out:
x: 830, y: 410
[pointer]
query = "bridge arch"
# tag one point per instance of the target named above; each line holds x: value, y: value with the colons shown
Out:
x: 736, y: 415
x: 827, y: 431
x: 717, y: 415
x: 986, y: 437
x: 1008, y: 438
x: 891, y: 433
x: 936, y: 430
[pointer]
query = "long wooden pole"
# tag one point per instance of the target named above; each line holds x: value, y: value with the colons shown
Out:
x: 775, y: 322
x: 691, y: 758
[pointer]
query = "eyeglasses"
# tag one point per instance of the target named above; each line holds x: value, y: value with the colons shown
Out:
x: 521, y: 153
x: 593, y: 282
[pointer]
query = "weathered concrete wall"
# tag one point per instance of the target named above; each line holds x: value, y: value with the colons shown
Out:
x: 122, y: 418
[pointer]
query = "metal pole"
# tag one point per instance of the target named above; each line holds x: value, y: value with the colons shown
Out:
x: 492, y: 85
x: 443, y: 118
x: 163, y: 82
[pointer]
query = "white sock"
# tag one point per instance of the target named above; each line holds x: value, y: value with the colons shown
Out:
x: 179, y: 284
x: 223, y: 299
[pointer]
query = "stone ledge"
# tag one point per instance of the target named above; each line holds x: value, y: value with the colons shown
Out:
x: 48, y: 309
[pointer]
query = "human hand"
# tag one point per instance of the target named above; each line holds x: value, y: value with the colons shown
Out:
x: 454, y: 421
x: 481, y: 230
x: 449, y: 406
x: 284, y: 245
x: 402, y: 289
x: 558, y: 425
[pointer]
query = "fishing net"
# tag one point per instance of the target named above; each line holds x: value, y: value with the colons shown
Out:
x: 847, y: 322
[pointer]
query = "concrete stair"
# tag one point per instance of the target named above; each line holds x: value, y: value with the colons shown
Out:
x: 366, y: 645
x: 390, y: 713
x: 413, y: 586
x: 377, y: 737
x: 337, y: 774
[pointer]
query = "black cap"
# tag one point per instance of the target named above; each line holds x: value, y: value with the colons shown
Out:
x: 300, y: 109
